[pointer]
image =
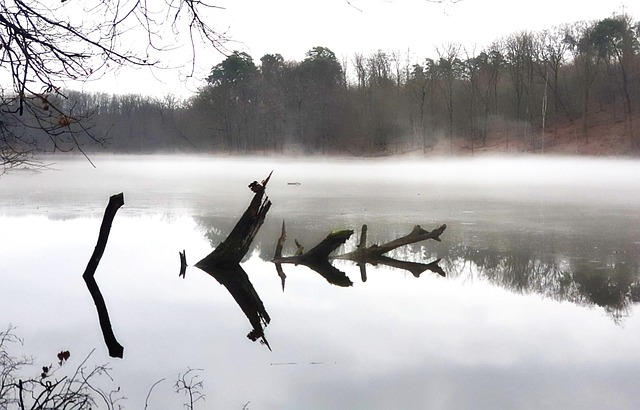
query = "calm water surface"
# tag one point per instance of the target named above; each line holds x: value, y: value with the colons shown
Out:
x: 538, y: 309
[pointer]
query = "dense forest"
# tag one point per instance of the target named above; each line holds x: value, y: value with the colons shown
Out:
x: 522, y: 93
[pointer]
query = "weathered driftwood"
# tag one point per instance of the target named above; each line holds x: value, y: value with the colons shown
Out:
x: 224, y: 262
x: 233, y: 249
x: 416, y: 235
x: 374, y: 254
x: 316, y: 258
x: 319, y: 257
x: 115, y: 348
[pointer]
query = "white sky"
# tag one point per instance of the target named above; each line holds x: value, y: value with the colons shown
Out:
x: 292, y: 27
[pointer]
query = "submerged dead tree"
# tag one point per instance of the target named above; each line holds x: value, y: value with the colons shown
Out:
x: 318, y: 258
x: 115, y: 348
x: 375, y: 254
x: 223, y: 263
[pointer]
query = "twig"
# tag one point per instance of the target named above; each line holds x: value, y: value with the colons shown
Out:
x: 146, y: 401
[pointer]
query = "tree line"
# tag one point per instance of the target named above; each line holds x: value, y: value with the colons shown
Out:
x: 521, y: 88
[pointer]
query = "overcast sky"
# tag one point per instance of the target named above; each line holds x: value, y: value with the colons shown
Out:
x: 292, y: 27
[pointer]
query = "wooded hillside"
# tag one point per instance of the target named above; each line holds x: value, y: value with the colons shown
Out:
x: 573, y: 89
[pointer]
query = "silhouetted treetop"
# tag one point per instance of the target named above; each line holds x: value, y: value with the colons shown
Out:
x: 236, y: 68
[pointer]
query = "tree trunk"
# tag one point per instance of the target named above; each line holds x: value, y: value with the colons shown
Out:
x: 223, y: 263
x: 115, y: 348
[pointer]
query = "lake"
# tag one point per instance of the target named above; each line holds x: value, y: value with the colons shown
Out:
x: 538, y: 308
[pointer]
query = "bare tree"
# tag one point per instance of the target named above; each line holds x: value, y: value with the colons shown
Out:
x: 586, y: 61
x: 44, y: 45
x: 519, y: 58
x: 449, y: 69
x: 553, y: 55
x: 190, y: 384
x: 421, y: 86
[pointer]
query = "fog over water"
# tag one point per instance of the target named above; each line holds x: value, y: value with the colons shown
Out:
x: 539, y: 308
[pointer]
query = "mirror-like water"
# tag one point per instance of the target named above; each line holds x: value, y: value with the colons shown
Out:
x: 538, y: 309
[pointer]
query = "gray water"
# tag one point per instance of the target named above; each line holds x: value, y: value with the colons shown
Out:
x: 538, y: 309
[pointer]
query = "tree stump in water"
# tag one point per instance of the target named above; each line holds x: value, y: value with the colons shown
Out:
x: 223, y: 263
x: 115, y: 348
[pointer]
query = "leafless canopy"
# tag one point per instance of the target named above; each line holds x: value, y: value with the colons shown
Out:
x: 45, y: 44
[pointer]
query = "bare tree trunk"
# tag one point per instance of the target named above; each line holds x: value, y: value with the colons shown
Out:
x: 585, y: 116
x: 115, y: 348
x: 223, y: 263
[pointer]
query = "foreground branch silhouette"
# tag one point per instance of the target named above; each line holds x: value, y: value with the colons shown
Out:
x: 115, y: 348
x: 45, y: 45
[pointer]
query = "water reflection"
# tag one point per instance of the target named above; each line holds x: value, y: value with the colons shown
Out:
x: 585, y: 275
x: 223, y: 263
x: 592, y: 274
x: 319, y: 257
x: 398, y: 341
